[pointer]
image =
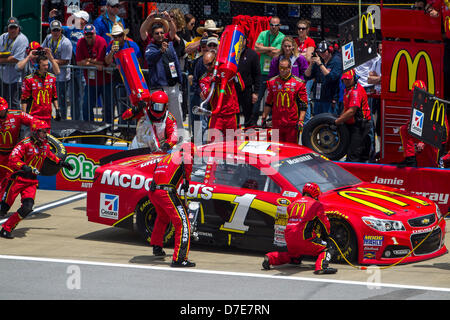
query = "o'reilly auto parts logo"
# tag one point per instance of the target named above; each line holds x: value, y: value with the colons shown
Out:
x: 84, y: 168
x: 109, y: 206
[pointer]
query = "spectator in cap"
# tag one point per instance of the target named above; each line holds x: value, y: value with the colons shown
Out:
x: 104, y: 23
x: 61, y: 49
x: 212, y: 44
x: 91, y: 51
x: 13, y: 46
x: 154, y: 18
x: 326, y: 70
x: 74, y: 32
x: 29, y: 64
x: 208, y: 29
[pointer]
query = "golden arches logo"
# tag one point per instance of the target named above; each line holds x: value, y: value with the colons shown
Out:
x: 378, y: 194
x: 37, y: 162
x: 5, y: 136
x: 45, y: 95
x: 412, y: 66
x: 365, y: 18
x: 298, y: 209
x: 447, y: 24
x: 440, y: 107
x: 284, y: 96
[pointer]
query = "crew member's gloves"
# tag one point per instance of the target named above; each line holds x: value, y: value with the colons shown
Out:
x: 165, y: 147
x: 300, y: 125
x: 66, y: 165
x: 28, y: 169
x: 58, y: 115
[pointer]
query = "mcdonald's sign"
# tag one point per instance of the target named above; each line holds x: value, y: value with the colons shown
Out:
x: 412, y: 66
x: 285, y: 100
x: 440, y: 113
x: 365, y: 18
x: 44, y: 96
x: 5, y: 135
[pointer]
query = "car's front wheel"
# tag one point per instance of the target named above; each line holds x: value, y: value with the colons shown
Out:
x: 344, y: 236
x: 145, y: 221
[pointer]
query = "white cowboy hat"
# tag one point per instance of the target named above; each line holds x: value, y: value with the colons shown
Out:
x: 210, y: 25
x: 117, y: 29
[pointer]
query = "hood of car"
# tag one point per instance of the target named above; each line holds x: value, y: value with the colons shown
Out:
x: 368, y: 199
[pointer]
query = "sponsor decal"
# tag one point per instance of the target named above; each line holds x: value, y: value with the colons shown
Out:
x: 393, y: 181
x: 417, y: 122
x: 109, y: 206
x: 84, y: 168
x: 369, y: 255
x: 376, y: 241
x: 439, y: 107
x: 348, y: 55
x: 369, y: 23
x: 412, y: 66
x: 6, y: 137
x: 283, y: 202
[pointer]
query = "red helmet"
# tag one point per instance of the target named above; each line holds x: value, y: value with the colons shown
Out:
x: 419, y: 84
x: 350, y: 74
x: 158, y: 106
x: 34, y: 45
x: 3, y: 104
x: 36, y: 126
x: 312, y: 189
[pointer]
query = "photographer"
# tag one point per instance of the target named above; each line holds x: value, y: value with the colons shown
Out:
x: 29, y: 64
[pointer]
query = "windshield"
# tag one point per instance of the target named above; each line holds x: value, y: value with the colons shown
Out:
x: 313, y: 168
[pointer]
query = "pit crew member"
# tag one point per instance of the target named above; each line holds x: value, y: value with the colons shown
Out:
x: 287, y: 99
x: 306, y: 233
x: 172, y: 171
x: 26, y: 160
x: 39, y: 93
x: 156, y: 126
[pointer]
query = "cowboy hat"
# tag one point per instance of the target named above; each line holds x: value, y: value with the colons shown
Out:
x: 117, y: 29
x: 161, y: 21
x: 210, y: 25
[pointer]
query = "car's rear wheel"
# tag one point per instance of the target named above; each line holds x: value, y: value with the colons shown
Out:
x: 318, y: 136
x: 145, y: 221
x: 344, y: 236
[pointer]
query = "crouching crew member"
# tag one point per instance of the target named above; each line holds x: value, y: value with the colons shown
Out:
x: 306, y: 233
x: 172, y: 171
x: 26, y: 161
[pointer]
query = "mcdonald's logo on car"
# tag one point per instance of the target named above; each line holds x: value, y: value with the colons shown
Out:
x: 440, y: 107
x: 284, y: 96
x: 5, y: 136
x: 45, y: 95
x: 412, y: 66
x: 365, y: 18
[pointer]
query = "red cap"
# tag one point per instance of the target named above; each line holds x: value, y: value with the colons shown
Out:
x: 419, y: 84
x: 3, y: 104
x: 350, y: 74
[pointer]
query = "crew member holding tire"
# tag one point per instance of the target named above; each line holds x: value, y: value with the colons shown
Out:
x: 288, y: 101
x: 172, y: 171
x: 356, y: 116
x: 306, y: 233
x: 26, y: 161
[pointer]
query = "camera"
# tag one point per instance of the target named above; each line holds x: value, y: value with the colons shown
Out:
x: 314, y: 54
x: 40, y: 52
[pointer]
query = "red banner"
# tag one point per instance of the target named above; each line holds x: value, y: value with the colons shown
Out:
x: 431, y: 183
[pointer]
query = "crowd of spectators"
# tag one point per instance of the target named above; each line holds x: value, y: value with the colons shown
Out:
x: 173, y: 55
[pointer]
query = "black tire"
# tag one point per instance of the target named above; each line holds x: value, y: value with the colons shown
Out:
x: 345, y: 237
x: 318, y: 136
x: 145, y: 220
x: 50, y: 168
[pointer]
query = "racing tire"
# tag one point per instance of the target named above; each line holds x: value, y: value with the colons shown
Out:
x: 50, y: 168
x: 318, y: 136
x: 145, y: 220
x: 345, y: 237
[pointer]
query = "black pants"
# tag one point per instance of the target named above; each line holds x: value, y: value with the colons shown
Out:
x: 359, y: 147
x: 246, y: 106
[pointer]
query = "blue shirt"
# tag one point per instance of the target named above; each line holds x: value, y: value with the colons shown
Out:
x: 103, y: 25
x: 156, y: 67
x: 329, y: 90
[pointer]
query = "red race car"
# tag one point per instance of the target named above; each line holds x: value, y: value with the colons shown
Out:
x: 239, y: 193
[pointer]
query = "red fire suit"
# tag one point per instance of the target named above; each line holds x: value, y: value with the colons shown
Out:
x: 228, y: 116
x: 288, y: 99
x: 42, y: 92
x: 165, y: 129
x: 168, y: 175
x: 10, y: 131
x: 32, y: 154
x: 304, y: 234
x: 429, y: 155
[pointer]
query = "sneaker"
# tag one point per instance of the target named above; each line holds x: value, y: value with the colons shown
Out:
x: 182, y: 264
x: 265, y: 263
x: 158, y: 251
x: 6, y: 234
x: 326, y: 271
x: 408, y: 162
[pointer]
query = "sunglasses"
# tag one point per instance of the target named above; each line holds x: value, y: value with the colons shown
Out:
x: 158, y: 33
x: 118, y: 36
x: 212, y: 45
x: 301, y: 28
x: 56, y: 30
x: 275, y: 25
